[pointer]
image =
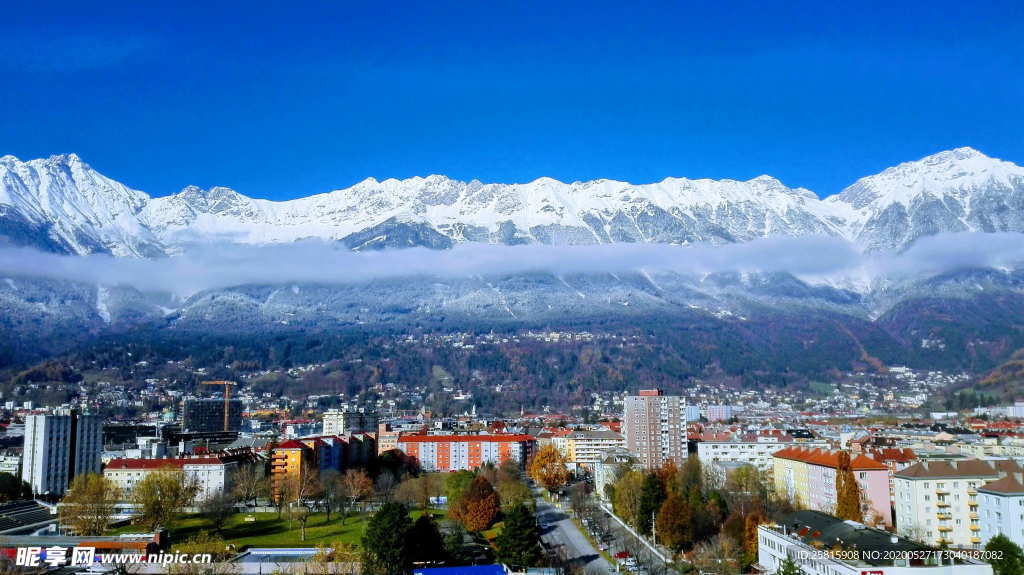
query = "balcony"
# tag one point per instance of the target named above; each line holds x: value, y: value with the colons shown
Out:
x: 975, y: 539
x: 945, y: 528
x: 942, y: 504
x: 972, y: 492
x: 975, y: 527
x: 944, y: 515
x: 973, y: 514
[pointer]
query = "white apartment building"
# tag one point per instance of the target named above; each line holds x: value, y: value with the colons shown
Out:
x: 586, y: 447
x: 1001, y: 509
x: 719, y: 412
x: 59, y: 447
x: 862, y: 550
x: 606, y: 471
x: 937, y: 501
x: 654, y: 426
x: 755, y: 451
x: 213, y: 475
x: 346, y: 422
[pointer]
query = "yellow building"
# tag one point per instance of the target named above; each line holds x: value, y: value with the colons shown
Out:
x: 790, y: 478
x: 287, y: 463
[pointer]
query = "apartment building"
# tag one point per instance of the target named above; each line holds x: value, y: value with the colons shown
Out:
x: 1001, y: 509
x: 387, y: 438
x: 586, y: 447
x: 654, y: 427
x: 854, y: 549
x: 807, y: 477
x: 59, y: 447
x: 288, y: 461
x: 750, y: 449
x: 465, y: 452
x: 937, y: 501
x: 607, y: 470
x: 894, y: 458
x: 719, y: 413
x: 213, y: 475
x: 348, y: 421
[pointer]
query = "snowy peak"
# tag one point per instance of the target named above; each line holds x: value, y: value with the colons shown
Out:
x: 951, y: 173
x: 61, y: 203
x: 955, y: 190
x: 75, y: 207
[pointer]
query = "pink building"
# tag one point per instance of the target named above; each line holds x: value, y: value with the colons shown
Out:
x: 808, y: 476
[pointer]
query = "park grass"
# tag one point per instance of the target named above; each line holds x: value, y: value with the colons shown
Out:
x: 491, y: 534
x: 267, y: 530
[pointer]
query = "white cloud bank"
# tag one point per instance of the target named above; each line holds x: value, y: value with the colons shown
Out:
x: 226, y: 265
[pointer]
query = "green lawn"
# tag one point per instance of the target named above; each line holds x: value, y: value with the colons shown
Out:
x: 269, y: 531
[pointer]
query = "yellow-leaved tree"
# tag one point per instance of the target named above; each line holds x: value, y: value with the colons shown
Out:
x: 548, y: 468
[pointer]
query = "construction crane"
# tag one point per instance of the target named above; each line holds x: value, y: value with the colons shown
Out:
x: 227, y: 399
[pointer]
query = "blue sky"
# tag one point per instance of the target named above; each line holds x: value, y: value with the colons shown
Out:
x: 281, y: 100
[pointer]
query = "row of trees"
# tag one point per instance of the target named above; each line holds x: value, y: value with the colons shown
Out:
x: 160, y: 496
x: 687, y: 511
x: 476, y: 502
x: 393, y: 541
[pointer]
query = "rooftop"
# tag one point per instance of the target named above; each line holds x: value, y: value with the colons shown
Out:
x: 959, y: 468
x: 828, y: 458
x: 824, y: 531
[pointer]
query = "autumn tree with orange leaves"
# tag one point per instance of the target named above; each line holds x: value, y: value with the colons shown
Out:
x: 479, y: 506
x: 847, y: 491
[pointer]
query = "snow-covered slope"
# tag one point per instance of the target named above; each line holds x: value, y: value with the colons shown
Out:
x: 67, y: 206
x: 62, y: 204
x: 953, y: 191
x: 543, y: 211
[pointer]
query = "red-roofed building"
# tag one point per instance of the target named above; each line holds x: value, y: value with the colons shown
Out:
x: 807, y: 477
x: 465, y: 452
x: 895, y: 458
x: 288, y: 462
x: 213, y: 474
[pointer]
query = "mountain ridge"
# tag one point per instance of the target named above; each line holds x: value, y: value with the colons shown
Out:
x: 60, y: 203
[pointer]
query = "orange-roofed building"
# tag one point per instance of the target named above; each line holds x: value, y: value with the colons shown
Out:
x: 288, y: 462
x: 465, y: 452
x: 807, y: 477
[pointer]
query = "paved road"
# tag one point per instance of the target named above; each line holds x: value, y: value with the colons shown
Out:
x: 562, y: 535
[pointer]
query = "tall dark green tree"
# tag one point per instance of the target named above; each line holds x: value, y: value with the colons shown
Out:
x: 518, y: 544
x: 426, y: 544
x: 1008, y: 559
x: 386, y: 542
x: 652, y: 495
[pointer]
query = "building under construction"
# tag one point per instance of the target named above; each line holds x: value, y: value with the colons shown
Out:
x: 204, y: 415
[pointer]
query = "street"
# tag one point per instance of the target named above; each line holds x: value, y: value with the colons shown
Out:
x: 562, y: 536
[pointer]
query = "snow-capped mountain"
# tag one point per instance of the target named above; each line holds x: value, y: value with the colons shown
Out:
x: 954, y: 191
x: 62, y: 204
x: 543, y: 211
